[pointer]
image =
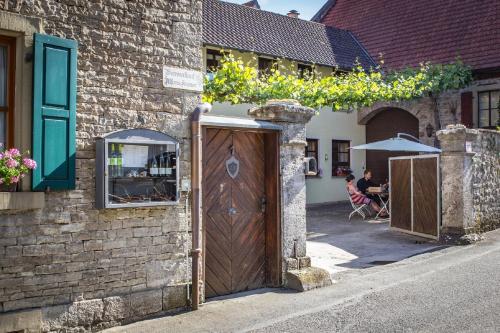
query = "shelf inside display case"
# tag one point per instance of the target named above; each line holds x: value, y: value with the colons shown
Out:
x: 139, y: 169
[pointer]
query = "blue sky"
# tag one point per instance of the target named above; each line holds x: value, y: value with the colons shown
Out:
x: 306, y: 8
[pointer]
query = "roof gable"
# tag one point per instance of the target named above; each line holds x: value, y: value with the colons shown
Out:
x: 408, y: 32
x: 238, y: 27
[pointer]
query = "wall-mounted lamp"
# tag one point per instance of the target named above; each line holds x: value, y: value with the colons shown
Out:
x: 429, y: 129
x: 326, y: 157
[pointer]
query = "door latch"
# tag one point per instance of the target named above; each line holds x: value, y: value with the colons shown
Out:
x: 232, y: 211
x: 263, y: 204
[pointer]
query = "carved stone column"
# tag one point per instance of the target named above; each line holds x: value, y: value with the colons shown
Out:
x: 292, y: 117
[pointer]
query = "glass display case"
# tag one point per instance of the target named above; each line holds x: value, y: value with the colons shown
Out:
x: 136, y: 167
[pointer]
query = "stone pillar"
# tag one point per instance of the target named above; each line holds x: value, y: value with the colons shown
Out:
x: 456, y: 181
x: 292, y: 117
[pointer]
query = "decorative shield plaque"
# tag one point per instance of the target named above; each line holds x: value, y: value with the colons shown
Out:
x: 233, y: 166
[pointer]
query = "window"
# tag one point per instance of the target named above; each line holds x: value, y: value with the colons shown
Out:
x: 488, y: 108
x: 213, y: 60
x: 7, y: 64
x: 304, y: 70
x: 265, y: 65
x: 312, y: 150
x: 341, y: 158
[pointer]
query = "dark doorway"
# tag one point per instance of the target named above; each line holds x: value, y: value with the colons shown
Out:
x: 240, y: 210
x: 387, y: 124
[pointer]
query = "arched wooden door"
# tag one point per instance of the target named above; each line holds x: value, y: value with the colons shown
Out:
x: 387, y: 124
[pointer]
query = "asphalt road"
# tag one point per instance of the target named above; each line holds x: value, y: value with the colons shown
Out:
x: 452, y: 290
x: 462, y: 298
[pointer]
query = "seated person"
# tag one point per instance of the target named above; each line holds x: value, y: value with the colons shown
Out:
x: 364, y: 183
x: 359, y: 198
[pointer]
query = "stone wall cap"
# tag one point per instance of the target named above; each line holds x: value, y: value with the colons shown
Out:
x: 283, y: 111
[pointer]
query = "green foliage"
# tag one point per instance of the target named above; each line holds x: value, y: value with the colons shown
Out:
x: 237, y: 82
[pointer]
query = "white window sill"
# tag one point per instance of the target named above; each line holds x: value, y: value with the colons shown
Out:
x: 22, y: 200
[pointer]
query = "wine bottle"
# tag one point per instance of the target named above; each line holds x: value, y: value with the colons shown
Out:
x: 119, y: 162
x: 162, y: 170
x: 153, y: 170
x: 112, y: 161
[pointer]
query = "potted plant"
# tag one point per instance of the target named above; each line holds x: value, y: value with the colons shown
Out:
x: 13, y: 167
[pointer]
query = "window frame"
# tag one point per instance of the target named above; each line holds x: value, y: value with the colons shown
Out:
x: 490, y: 108
x: 10, y: 43
x: 301, y: 69
x: 214, y: 53
x: 335, y: 159
x: 315, y: 152
x: 265, y: 71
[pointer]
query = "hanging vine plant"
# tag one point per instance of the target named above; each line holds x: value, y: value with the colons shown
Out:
x: 238, y: 82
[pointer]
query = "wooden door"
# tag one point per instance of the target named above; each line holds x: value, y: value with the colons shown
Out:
x: 385, y: 125
x: 233, y: 211
x: 415, y: 194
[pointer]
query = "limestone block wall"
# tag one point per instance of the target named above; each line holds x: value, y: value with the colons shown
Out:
x: 292, y: 117
x: 93, y: 268
x: 470, y: 170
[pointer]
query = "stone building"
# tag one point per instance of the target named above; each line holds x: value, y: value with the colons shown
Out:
x: 76, y: 265
x: 80, y: 248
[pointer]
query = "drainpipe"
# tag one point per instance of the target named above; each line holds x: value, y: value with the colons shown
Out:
x: 196, y: 201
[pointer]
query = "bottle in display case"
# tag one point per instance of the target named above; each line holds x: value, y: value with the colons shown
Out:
x: 136, y: 168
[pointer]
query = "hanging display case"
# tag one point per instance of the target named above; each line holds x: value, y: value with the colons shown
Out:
x: 136, y: 168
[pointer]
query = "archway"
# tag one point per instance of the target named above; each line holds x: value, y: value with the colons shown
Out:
x: 385, y: 124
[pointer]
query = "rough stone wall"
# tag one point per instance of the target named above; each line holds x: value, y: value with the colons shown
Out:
x: 292, y: 118
x: 485, y: 145
x: 104, y: 267
x: 470, y: 170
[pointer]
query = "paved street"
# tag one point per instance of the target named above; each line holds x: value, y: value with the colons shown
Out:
x: 452, y: 290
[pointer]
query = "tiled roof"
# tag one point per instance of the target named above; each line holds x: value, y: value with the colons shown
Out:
x: 408, y: 32
x: 233, y: 26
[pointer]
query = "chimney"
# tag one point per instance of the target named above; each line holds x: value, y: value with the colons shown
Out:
x: 293, y: 13
x: 252, y: 4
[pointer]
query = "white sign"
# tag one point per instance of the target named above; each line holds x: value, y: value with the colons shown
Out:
x: 135, y: 156
x: 185, y: 79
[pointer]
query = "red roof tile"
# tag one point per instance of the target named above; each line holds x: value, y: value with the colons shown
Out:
x: 408, y: 32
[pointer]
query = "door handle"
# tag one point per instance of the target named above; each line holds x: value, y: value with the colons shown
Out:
x: 263, y: 204
x: 232, y: 211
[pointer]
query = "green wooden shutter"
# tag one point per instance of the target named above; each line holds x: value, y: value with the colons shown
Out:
x: 54, y: 112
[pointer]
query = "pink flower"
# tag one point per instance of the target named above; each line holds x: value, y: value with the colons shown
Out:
x: 6, y: 154
x: 29, y: 163
x: 14, y: 179
x: 11, y: 163
x: 1, y: 180
x: 1, y: 156
x: 14, y: 152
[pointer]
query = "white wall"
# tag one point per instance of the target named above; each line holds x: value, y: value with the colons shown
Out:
x: 328, y: 126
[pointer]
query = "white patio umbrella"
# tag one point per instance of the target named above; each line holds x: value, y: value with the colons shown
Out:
x: 398, y: 144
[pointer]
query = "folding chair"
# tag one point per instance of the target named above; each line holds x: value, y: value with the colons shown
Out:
x: 357, y: 208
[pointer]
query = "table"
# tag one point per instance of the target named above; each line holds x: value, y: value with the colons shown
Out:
x: 383, y: 203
